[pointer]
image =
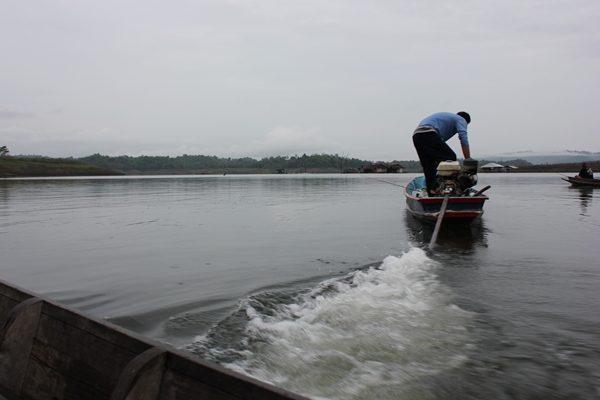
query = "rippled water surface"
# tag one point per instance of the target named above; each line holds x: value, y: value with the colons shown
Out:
x: 322, y: 284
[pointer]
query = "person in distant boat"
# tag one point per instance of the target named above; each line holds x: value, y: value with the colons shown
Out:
x: 430, y: 142
x: 585, y: 172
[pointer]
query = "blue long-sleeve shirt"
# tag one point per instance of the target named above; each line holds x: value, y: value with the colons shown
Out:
x: 447, y: 125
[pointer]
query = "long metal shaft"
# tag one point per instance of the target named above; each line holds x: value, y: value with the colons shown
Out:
x: 438, y: 223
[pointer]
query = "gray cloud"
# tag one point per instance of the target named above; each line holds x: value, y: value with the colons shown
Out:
x: 257, y: 78
x: 6, y: 114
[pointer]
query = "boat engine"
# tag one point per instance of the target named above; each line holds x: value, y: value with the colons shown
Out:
x: 453, y: 180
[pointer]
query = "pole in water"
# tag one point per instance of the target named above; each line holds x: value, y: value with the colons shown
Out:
x: 438, y: 223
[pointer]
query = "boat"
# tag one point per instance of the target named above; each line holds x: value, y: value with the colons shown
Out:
x: 582, y: 181
x: 48, y: 351
x: 465, y: 208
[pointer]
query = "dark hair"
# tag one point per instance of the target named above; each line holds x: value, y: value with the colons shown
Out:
x: 465, y: 115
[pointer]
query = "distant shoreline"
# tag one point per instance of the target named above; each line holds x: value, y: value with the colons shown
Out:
x: 22, y: 167
x: 15, y: 167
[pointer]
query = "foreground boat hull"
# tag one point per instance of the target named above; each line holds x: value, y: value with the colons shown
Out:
x: 50, y: 352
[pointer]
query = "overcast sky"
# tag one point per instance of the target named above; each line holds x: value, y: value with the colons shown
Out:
x: 263, y: 78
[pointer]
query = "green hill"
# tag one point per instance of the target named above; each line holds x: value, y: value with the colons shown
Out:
x: 201, y: 164
x: 16, y: 167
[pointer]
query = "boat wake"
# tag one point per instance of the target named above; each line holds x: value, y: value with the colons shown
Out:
x: 377, y: 333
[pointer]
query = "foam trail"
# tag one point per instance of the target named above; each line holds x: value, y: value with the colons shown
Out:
x: 371, y: 335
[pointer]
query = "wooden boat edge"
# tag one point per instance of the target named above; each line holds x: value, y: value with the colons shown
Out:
x: 47, y: 351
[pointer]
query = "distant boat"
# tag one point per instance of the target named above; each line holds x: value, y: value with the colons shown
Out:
x: 582, y: 181
x: 464, y: 209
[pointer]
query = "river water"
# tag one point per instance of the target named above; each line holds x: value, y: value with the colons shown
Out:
x: 322, y: 284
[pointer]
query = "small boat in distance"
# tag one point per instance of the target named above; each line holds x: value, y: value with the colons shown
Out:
x: 582, y: 181
x: 464, y: 209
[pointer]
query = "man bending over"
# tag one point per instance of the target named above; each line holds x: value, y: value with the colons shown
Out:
x: 430, y: 141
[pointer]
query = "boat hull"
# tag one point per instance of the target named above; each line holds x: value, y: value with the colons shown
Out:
x: 462, y: 209
x: 582, y: 182
x: 459, y: 209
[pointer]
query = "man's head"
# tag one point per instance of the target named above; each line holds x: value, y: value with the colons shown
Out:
x: 584, y: 165
x: 465, y: 115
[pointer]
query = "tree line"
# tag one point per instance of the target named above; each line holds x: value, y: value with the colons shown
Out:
x: 314, y: 163
x: 303, y: 163
x: 213, y: 164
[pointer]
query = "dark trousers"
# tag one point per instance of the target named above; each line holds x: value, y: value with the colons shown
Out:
x: 431, y: 150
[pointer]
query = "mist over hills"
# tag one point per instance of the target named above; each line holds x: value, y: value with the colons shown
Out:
x: 533, y: 157
x: 556, y: 157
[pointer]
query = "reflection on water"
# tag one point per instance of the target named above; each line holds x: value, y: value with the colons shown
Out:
x: 453, y: 237
x: 585, y: 197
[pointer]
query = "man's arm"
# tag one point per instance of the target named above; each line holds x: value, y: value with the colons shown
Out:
x: 466, y: 152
